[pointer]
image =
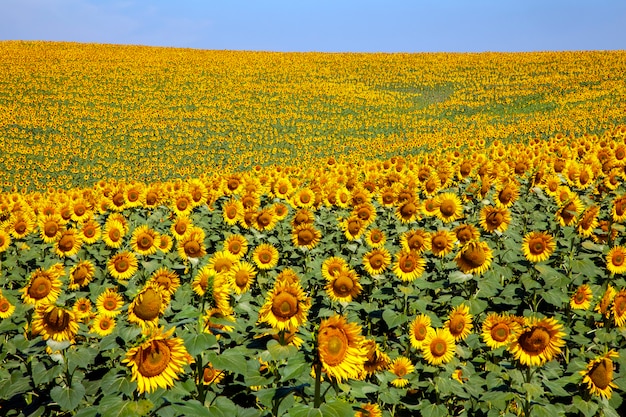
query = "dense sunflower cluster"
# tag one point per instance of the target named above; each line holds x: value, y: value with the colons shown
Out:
x: 496, y: 268
x: 72, y: 114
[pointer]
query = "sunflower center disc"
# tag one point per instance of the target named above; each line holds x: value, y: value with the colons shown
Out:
x: 122, y: 265
x: 57, y: 319
x: 66, y: 243
x: 192, y: 248
x: 149, y: 305
x: 535, y: 341
x: 420, y: 332
x: 438, y: 347
x: 51, y: 228
x: 40, y: 288
x: 447, y: 208
x: 343, y: 286
x: 537, y: 247
x: 145, y: 242
x: 335, y: 347
x: 305, y: 237
x: 474, y: 256
x: 457, y: 324
x: 241, y: 279
x: 602, y: 374
x: 376, y: 261
x: 285, y: 305
x: 154, y: 359
x: 500, y: 332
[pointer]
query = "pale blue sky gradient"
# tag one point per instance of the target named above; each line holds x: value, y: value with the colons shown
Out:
x: 325, y: 25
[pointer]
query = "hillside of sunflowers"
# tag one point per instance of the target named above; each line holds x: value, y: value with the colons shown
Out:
x: 226, y: 233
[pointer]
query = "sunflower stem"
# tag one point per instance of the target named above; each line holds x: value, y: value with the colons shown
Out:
x: 200, y: 376
x: 318, y: 384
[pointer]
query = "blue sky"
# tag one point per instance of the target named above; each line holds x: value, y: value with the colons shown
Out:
x: 325, y: 25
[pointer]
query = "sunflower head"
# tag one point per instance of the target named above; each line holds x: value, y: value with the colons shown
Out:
x: 341, y: 348
x: 599, y: 375
x: 539, y: 341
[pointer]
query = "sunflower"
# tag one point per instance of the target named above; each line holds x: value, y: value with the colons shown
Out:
x: 459, y: 323
x: 114, y: 232
x: 264, y: 219
x: 430, y: 208
x: 144, y: 240
x: 341, y: 348
x: 376, y: 261
x: 605, y: 302
x: 280, y: 211
x: 538, y: 246
x: 420, y: 326
x: 302, y: 216
x: 401, y: 367
x: 344, y: 286
x: 619, y: 308
x: 90, y: 232
x: 165, y: 243
x: 5, y: 240
x: 217, y: 327
x: 203, y: 280
x: 581, y: 299
x: 286, y: 306
x: 417, y: 241
x: 222, y: 261
x: 148, y: 305
x: 353, y: 227
x: 54, y: 322
x: 499, y: 330
x: 210, y: 375
x: 377, y: 360
x: 449, y: 207
x: 568, y: 212
x: 466, y: 232
x: 494, y: 219
x: 408, y: 211
x: 305, y: 236
x: 438, y: 347
x: 539, y: 341
x: 6, y: 308
x: 375, y: 238
x: 51, y: 227
x: 21, y: 225
x: 44, y: 286
x: 599, y: 375
x: 102, y: 325
x: 409, y: 265
x: 368, y: 410
x: 68, y: 244
x: 241, y: 276
x: 507, y: 194
x: 331, y: 267
x: 157, y: 361
x: 474, y: 257
x: 237, y: 245
x: 442, y: 242
x: 304, y: 197
x: 265, y: 256
x: 122, y: 266
x: 588, y: 221
x: 109, y: 303
x: 618, y: 209
x: 616, y: 260
x: 82, y: 308
x: 180, y: 227
x: 366, y: 212
x: 191, y: 246
x: 166, y: 278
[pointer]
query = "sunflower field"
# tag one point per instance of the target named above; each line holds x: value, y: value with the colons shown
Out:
x: 220, y: 233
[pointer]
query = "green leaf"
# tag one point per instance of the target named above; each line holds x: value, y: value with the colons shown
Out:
x: 296, y: 367
x: 195, y: 408
x: 546, y: 410
x: 68, y: 397
x: 301, y: 410
x: 433, y: 410
x: 555, y: 388
x: 337, y: 408
x: 281, y: 352
x: 587, y: 408
x: 458, y: 277
x: 198, y: 343
x: 17, y: 384
x: 555, y: 297
x: 394, y: 318
x: 533, y: 390
x: 232, y: 360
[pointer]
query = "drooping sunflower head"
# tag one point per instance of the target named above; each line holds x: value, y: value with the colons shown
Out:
x: 474, y: 257
x: 588, y: 221
x: 619, y: 308
x: 599, y: 375
x: 567, y: 214
x: 369, y: 410
x: 377, y: 359
x: 214, y: 320
x: 54, y: 322
x: 302, y: 216
x: 264, y: 219
x: 507, y: 194
x: 158, y: 361
x: 148, y: 305
x: 603, y: 306
x: 341, y: 348
x: 499, y: 330
x: 210, y: 375
x: 539, y: 341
